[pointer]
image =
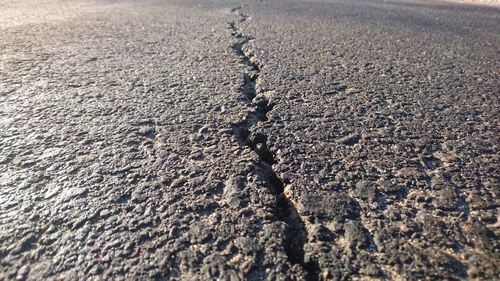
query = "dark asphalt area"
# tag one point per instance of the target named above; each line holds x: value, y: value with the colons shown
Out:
x: 249, y: 140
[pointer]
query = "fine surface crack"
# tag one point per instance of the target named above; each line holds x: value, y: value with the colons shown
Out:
x: 261, y: 105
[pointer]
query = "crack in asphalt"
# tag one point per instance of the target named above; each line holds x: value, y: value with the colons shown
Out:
x: 296, y: 232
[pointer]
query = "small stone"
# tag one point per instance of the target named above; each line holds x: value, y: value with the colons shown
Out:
x: 445, y: 199
x: 404, y: 229
x: 52, y: 192
x: 350, y: 139
x: 365, y: 190
x: 352, y: 90
x: 72, y: 193
x: 445, y: 157
x: 203, y: 129
x: 23, y: 272
x: 409, y: 172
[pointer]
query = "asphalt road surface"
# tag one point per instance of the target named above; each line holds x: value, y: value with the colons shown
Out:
x: 255, y: 140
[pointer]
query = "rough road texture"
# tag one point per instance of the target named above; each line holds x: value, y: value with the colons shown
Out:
x: 259, y: 140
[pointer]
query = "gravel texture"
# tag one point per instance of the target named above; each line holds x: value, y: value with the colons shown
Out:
x: 258, y: 140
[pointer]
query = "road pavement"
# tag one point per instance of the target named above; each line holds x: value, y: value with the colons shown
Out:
x: 248, y: 140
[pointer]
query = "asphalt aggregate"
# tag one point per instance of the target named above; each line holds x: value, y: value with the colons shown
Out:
x: 249, y: 140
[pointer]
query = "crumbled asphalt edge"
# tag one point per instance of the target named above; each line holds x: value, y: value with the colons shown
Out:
x: 296, y: 232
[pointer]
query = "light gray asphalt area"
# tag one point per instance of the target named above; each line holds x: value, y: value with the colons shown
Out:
x: 257, y: 140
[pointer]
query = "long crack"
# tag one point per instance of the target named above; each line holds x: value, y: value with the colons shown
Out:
x: 296, y: 232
